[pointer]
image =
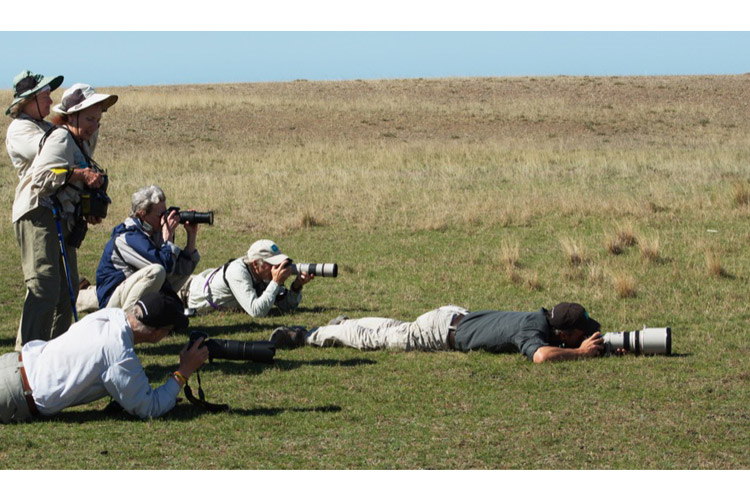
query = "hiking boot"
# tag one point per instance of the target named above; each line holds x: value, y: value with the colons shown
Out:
x: 338, y: 319
x: 289, y: 337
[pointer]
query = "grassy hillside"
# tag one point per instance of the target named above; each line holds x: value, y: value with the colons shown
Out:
x: 629, y: 195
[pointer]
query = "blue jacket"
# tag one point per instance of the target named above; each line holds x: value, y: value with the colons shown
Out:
x: 129, y: 249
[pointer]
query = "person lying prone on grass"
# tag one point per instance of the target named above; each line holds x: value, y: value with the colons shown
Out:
x: 563, y: 333
x: 253, y: 283
x: 95, y: 358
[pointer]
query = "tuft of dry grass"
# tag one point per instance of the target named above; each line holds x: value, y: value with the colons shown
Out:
x: 613, y: 245
x: 308, y: 220
x: 650, y: 249
x: 574, y: 252
x: 510, y: 254
x: 740, y: 194
x: 596, y: 274
x: 624, y: 285
x: 532, y: 282
x: 626, y: 236
x: 714, y: 266
x: 623, y: 237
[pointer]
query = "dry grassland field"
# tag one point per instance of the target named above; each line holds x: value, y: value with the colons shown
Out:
x: 629, y: 195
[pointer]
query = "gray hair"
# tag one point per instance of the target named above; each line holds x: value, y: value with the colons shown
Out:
x: 145, y: 198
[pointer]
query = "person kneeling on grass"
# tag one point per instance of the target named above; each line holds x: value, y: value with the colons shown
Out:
x: 96, y: 358
x: 253, y: 283
x: 141, y: 256
x: 565, y: 332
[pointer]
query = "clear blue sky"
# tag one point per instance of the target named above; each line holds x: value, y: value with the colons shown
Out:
x: 144, y: 58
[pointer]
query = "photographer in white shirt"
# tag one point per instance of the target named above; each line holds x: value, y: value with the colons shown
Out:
x: 96, y: 358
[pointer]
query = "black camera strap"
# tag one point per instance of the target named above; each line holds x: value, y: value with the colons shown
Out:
x: 202, y: 403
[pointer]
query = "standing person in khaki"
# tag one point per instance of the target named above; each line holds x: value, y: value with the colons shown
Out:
x: 31, y: 105
x: 52, y: 185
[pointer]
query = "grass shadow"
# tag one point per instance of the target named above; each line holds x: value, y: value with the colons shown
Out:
x: 7, y: 342
x: 181, y: 412
x: 322, y: 309
x: 187, y: 412
x: 218, y: 330
x: 159, y: 372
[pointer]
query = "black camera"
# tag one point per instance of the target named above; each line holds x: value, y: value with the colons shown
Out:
x: 261, y: 351
x: 193, y: 217
x: 95, y: 202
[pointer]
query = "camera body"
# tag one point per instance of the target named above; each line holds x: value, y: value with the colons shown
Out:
x: 646, y: 341
x: 322, y: 270
x: 95, y: 202
x: 193, y: 217
x: 259, y: 351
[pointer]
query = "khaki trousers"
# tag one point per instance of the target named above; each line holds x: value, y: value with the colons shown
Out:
x: 429, y: 332
x: 13, y: 405
x: 146, y: 280
x: 47, y: 311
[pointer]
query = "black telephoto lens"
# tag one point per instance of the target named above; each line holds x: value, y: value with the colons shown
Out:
x: 194, y: 217
x: 260, y: 351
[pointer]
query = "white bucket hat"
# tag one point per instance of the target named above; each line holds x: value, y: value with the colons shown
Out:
x: 81, y: 96
x: 267, y: 251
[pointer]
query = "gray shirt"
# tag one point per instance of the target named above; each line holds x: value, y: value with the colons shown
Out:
x: 505, y: 331
x: 241, y: 290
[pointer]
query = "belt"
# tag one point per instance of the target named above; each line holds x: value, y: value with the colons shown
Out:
x: 27, y: 389
x: 455, y: 320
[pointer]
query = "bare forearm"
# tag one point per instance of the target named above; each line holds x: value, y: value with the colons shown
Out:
x: 550, y: 353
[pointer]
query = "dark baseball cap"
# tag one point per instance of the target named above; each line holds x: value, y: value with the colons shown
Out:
x: 161, y: 309
x: 572, y: 316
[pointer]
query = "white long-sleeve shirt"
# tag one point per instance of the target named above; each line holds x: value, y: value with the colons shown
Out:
x: 93, y: 359
x: 244, y: 291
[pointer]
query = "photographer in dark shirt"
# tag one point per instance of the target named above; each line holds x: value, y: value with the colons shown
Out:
x: 565, y: 332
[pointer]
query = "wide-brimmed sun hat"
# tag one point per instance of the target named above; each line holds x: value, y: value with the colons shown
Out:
x: 81, y: 96
x: 26, y: 84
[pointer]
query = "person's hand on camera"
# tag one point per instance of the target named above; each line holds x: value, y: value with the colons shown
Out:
x: 192, y: 359
x: 93, y: 219
x: 88, y: 176
x: 301, y: 280
x: 191, y: 228
x: 592, y: 346
x: 281, y: 272
x: 169, y: 222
